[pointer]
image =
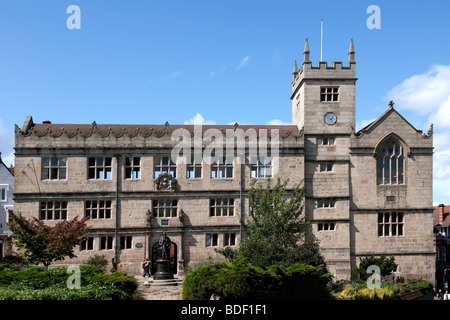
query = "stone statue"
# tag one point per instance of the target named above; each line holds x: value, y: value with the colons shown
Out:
x: 164, y: 247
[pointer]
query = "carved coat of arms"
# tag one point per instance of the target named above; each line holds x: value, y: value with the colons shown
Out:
x: 165, y: 182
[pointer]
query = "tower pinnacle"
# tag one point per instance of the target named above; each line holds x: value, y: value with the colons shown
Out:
x: 351, y: 52
x: 306, y: 52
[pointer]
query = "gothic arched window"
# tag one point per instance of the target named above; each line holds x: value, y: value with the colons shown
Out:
x: 390, y: 155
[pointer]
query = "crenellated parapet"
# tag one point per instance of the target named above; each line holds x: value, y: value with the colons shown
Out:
x: 336, y: 71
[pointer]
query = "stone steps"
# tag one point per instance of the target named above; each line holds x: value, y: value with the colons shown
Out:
x: 166, y: 282
x: 152, y: 289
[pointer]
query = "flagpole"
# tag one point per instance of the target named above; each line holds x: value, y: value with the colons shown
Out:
x: 321, y: 38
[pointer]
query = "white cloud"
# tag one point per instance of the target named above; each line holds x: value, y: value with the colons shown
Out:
x: 198, y: 119
x: 243, y: 63
x: 428, y: 94
x: 441, y: 157
x: 277, y: 122
x: 6, y: 144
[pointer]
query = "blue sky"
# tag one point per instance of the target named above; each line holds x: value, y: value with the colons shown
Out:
x: 229, y: 61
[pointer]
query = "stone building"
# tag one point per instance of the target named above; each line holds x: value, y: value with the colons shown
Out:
x: 366, y: 192
x: 6, y: 203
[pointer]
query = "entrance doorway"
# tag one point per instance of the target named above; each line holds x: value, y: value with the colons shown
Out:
x: 173, y: 257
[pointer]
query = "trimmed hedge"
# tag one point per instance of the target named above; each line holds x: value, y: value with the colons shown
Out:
x: 240, y: 280
x: 37, y: 283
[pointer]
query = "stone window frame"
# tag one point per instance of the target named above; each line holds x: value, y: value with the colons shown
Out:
x: 125, y: 242
x: 51, y: 170
x: 224, y: 169
x: 162, y: 166
x: 261, y: 164
x: 106, y: 209
x: 326, y: 203
x: 329, y: 94
x: 99, y: 171
x: 133, y: 167
x: 391, y: 224
x: 165, y: 208
x: 384, y: 161
x: 326, y: 141
x: 194, y: 170
x: 326, y: 226
x: 106, y: 242
x: 49, y: 212
x: 215, y: 207
x: 212, y: 239
x: 87, y: 244
x: 326, y: 167
x: 229, y: 239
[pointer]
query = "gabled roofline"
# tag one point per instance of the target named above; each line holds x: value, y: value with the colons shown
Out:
x: 387, y: 113
x: 2, y: 163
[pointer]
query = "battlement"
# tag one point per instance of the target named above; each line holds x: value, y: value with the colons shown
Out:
x: 337, y: 71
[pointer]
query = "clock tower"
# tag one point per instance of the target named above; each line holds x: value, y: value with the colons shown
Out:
x: 323, y: 107
x: 323, y: 97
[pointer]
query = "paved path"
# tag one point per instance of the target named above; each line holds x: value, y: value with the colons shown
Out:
x: 151, y: 291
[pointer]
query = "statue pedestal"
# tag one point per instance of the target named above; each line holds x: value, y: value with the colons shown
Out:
x: 163, y: 270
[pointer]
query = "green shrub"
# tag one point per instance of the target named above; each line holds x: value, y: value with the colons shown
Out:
x: 240, y: 280
x: 38, y: 283
x: 388, y: 290
x: 13, y: 263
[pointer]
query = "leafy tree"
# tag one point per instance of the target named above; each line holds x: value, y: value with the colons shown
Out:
x: 44, y: 244
x: 277, y: 231
x: 386, y: 265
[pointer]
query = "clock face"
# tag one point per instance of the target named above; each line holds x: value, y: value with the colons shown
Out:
x: 330, y: 118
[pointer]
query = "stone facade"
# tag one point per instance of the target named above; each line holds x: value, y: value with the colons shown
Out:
x: 113, y: 173
x: 6, y: 203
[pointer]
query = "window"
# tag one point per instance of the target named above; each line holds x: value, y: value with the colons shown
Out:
x: 126, y: 242
x: 212, y: 239
x: 106, y: 243
x: 326, y: 167
x: 325, y: 141
x: 390, y: 224
x: 390, y: 163
x: 328, y: 226
x: 221, y: 207
x: 99, y: 168
x: 164, y: 208
x: 3, y: 192
x: 194, y: 170
x: 165, y: 165
x: 53, y: 210
x: 328, y: 94
x: 87, y: 244
x: 261, y: 167
x: 223, y: 169
x: 229, y: 239
x: 98, y: 209
x: 326, y: 203
x: 132, y: 168
x: 54, y: 168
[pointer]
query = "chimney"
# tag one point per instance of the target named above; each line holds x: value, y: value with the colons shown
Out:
x: 441, y: 213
